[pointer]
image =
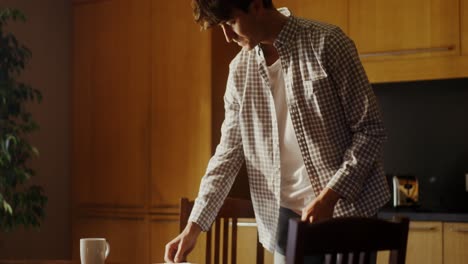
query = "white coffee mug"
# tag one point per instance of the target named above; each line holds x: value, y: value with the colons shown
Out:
x: 93, y: 250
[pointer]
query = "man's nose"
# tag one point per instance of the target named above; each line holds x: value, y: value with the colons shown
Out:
x: 228, y: 33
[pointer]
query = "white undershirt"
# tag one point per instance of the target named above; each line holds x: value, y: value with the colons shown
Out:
x: 296, y: 189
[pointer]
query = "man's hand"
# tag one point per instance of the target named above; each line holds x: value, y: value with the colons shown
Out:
x: 321, y: 208
x: 178, y: 249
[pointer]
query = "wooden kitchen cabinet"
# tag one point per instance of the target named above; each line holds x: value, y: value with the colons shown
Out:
x: 405, y: 29
x: 331, y: 11
x: 181, y: 103
x: 399, y: 40
x: 141, y: 121
x: 110, y: 103
x: 246, y: 243
x: 409, y: 40
x: 455, y: 243
x: 424, y: 244
x: 464, y: 26
x: 435, y: 242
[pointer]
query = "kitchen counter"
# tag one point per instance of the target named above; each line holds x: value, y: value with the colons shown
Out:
x: 423, y: 215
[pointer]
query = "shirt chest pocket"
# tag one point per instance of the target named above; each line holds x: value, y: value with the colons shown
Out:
x: 314, y: 79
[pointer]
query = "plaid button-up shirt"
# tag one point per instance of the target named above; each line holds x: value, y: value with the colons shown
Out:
x: 335, y: 117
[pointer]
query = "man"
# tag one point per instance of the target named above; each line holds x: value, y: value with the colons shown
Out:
x: 301, y: 114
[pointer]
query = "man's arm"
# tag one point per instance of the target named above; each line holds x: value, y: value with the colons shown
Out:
x: 216, y: 183
x: 362, y: 116
x: 365, y: 125
x: 223, y: 166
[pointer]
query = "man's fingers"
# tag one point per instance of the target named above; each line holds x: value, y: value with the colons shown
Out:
x: 303, y: 217
x: 180, y: 255
x: 169, y: 254
x: 305, y: 214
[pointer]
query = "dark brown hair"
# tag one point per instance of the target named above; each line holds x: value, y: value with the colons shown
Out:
x: 208, y: 13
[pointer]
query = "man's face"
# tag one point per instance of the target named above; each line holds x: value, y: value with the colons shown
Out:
x: 241, y: 29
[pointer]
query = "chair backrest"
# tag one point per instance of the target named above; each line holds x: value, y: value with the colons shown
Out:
x: 230, y: 212
x: 347, y: 239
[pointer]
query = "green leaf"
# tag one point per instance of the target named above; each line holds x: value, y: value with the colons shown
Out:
x: 7, y: 207
x: 35, y: 151
x: 26, y: 204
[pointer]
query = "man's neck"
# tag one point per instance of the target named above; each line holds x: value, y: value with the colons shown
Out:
x: 270, y: 53
x: 273, y: 23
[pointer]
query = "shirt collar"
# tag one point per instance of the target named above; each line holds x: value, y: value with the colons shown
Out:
x: 288, y: 31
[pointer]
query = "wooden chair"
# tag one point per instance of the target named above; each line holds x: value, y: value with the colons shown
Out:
x: 230, y: 212
x: 347, y: 239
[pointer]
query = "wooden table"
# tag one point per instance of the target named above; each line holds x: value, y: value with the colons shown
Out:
x: 45, y: 261
x: 42, y: 261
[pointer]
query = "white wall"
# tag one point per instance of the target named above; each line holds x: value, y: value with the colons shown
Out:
x: 47, y: 33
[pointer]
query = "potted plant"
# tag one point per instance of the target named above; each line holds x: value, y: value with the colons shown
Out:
x: 21, y: 204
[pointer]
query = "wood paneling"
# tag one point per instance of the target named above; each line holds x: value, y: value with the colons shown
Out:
x: 464, y: 26
x: 424, y: 237
x: 141, y: 121
x: 246, y: 249
x: 441, y: 67
x: 111, y: 103
x: 181, y: 110
x: 400, y: 25
x: 330, y: 11
x: 455, y: 243
x: 424, y: 244
x: 127, y: 236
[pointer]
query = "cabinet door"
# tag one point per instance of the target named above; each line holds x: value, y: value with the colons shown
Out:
x: 424, y: 243
x: 455, y: 243
x: 181, y: 103
x: 464, y: 26
x: 246, y: 243
x: 330, y: 11
x: 111, y: 103
x: 416, y: 28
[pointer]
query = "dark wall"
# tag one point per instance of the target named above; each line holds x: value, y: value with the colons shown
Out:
x: 47, y: 33
x: 427, y: 128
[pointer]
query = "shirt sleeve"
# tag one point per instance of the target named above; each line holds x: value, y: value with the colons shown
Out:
x: 362, y: 115
x: 224, y: 166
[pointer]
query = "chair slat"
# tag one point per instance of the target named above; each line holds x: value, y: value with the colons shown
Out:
x: 259, y: 251
x: 208, y: 255
x: 225, y: 240
x: 366, y: 258
x: 232, y: 208
x: 217, y: 240
x: 234, y: 241
x: 355, y: 257
x: 347, y: 234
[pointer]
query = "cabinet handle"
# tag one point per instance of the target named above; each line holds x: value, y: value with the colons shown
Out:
x: 459, y: 229
x: 423, y: 228
x: 406, y: 52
